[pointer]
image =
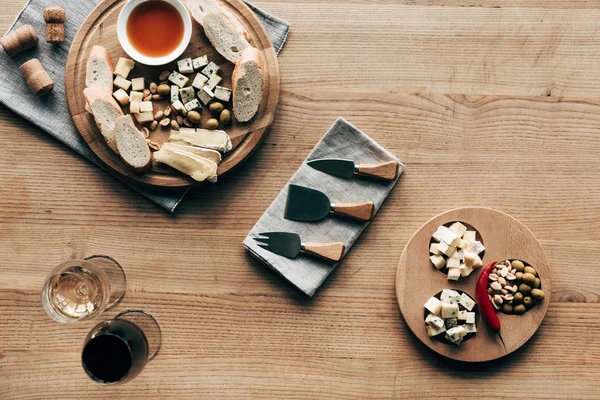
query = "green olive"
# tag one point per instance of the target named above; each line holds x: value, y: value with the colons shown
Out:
x: 525, y: 289
x: 225, y: 117
x: 530, y: 270
x: 194, y: 117
x: 520, y: 309
x: 537, y: 284
x: 507, y: 308
x: 519, y: 276
x: 528, y: 302
x: 216, y: 107
x: 518, y: 265
x: 529, y: 279
x: 538, y: 294
x: 164, y: 90
x: 212, y: 124
x: 518, y: 298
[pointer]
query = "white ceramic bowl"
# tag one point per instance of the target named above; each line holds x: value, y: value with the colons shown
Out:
x: 141, y: 58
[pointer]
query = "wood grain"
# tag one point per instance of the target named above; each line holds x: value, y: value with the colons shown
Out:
x: 387, y: 171
x: 362, y: 211
x: 330, y: 251
x: 452, y: 89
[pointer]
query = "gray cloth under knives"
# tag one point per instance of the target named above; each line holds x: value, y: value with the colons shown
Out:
x: 50, y: 113
x: 343, y: 140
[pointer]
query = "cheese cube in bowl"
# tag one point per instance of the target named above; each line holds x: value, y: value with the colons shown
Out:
x: 451, y: 317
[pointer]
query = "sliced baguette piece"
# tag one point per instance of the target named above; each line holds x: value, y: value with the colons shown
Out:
x: 198, y: 168
x: 99, y: 69
x: 214, y: 140
x: 106, y: 111
x: 132, y: 145
x: 247, y: 85
x: 225, y: 32
x: 211, y: 155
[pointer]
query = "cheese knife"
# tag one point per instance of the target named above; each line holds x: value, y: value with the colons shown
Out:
x: 305, y: 204
x: 290, y: 245
x: 387, y: 171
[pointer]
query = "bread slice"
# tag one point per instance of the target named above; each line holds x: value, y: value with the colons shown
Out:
x: 106, y: 111
x: 225, y: 32
x: 132, y: 145
x: 99, y: 69
x: 247, y: 85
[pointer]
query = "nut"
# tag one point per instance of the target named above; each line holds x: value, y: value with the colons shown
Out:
x: 165, y: 122
x: 167, y: 111
x: 148, y: 98
x: 508, y: 297
x: 188, y: 123
x: 510, y: 277
x: 153, y: 125
x: 174, y: 125
x: 180, y: 120
x: 504, y: 272
x: 490, y: 291
x: 164, y: 76
x: 158, y: 115
x: 156, y: 97
x: 496, y: 286
x: 502, y: 281
x: 153, y: 87
x: 153, y: 145
x: 498, y: 300
x: 146, y: 93
x: 504, y: 291
x: 493, y: 277
x: 146, y: 132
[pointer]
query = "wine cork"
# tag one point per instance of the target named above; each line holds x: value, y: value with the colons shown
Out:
x: 55, y: 15
x: 55, y: 24
x: 20, y: 40
x: 37, y: 78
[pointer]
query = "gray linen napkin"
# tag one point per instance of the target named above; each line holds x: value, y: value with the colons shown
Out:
x: 343, y: 140
x: 51, y: 113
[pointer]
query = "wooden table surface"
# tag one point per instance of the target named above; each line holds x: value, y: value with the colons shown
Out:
x: 495, y: 105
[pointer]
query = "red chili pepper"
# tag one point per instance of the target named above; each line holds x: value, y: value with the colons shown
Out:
x: 488, y: 312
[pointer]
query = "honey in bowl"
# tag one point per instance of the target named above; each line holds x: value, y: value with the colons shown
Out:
x: 155, y: 28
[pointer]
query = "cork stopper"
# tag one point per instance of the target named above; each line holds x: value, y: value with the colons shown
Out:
x: 55, y: 15
x: 36, y: 76
x: 20, y: 40
x: 55, y: 33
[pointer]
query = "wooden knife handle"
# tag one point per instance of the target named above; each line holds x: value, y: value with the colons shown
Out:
x: 362, y: 211
x: 387, y: 171
x: 330, y: 251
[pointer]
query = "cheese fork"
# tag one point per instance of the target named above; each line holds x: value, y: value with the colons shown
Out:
x: 290, y: 245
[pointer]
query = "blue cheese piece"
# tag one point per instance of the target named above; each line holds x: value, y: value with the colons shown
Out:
x: 434, y: 320
x: 445, y: 235
x: 177, y: 79
x: 210, y: 69
x: 192, y: 105
x: 456, y: 334
x: 187, y: 94
x: 433, y: 305
x: 174, y: 93
x: 205, y: 95
x: 470, y: 328
x: 450, y: 296
x: 466, y: 301
x: 222, y: 93
x: 185, y: 66
x: 433, y: 330
x: 451, y: 322
x: 449, y: 310
x: 180, y: 108
x: 213, y: 81
x: 199, y: 81
x: 462, y: 315
x: 200, y: 62
x: 458, y: 228
x: 470, y: 318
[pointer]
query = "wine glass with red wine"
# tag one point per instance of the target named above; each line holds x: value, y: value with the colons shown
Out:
x: 117, y: 350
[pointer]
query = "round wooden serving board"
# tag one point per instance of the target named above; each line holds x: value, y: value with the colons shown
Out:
x: 417, y: 280
x: 100, y: 29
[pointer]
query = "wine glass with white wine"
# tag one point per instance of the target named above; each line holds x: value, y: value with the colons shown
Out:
x: 79, y: 290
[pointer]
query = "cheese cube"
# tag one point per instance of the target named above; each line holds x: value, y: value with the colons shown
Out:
x: 438, y: 261
x: 187, y: 94
x: 458, y: 228
x: 205, y: 95
x: 466, y: 301
x: 177, y: 79
x: 463, y: 244
x: 178, y: 105
x: 462, y: 315
x: 213, y: 81
x: 434, y: 320
x: 465, y: 270
x: 192, y: 105
x: 450, y: 296
x: 126, y: 62
x: 134, y: 107
x: 470, y: 236
x: 453, y: 274
x: 456, y: 333
x: 144, y: 117
x: 199, y: 81
x: 457, y: 254
x: 478, y: 262
x: 124, y: 67
x: 470, y: 328
x: 433, y: 330
x: 174, y: 93
x: 136, y: 97
x: 433, y: 305
x: 210, y: 69
x: 200, y: 62
x: 223, y: 93
x: 146, y: 106
x: 476, y: 247
x: 470, y: 318
x: 449, y: 310
x: 446, y: 249
x: 443, y: 234
x: 185, y: 66
x: 453, y: 263
x: 122, y: 83
x: 451, y: 322
x: 121, y: 96
x: 138, y: 84
x: 433, y: 248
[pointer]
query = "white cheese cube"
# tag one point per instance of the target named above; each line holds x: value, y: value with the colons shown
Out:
x: 462, y: 315
x: 453, y: 263
x: 458, y: 228
x: 185, y: 66
x: 449, y: 310
x: 463, y: 244
x: 223, y: 93
x: 433, y: 330
x: 438, y: 261
x: 134, y: 107
x: 433, y: 305
x: 178, y: 105
x: 465, y: 270
x: 122, y: 83
x: 200, y: 62
x: 433, y: 248
x: 470, y: 318
x: 470, y: 328
x: 450, y: 296
x: 126, y: 62
x: 470, y: 236
x: 136, y: 97
x: 466, y: 301
x: 205, y: 95
x: 199, y: 81
x: 434, y: 320
x: 187, y: 94
x: 138, y: 84
x: 177, y: 79
x: 146, y: 106
x: 446, y: 249
x: 144, y: 117
x: 451, y: 322
x: 453, y: 274
x: 210, y: 69
x: 213, y: 81
x: 478, y: 262
x: 457, y: 254
x: 124, y: 67
x: 476, y: 247
x: 456, y: 333
x: 443, y: 234
x: 472, y: 259
x: 174, y: 93
x: 121, y: 96
x: 192, y: 105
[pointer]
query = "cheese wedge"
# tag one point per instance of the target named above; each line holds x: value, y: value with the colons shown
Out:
x: 198, y: 168
x: 211, y: 155
x: 214, y: 140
